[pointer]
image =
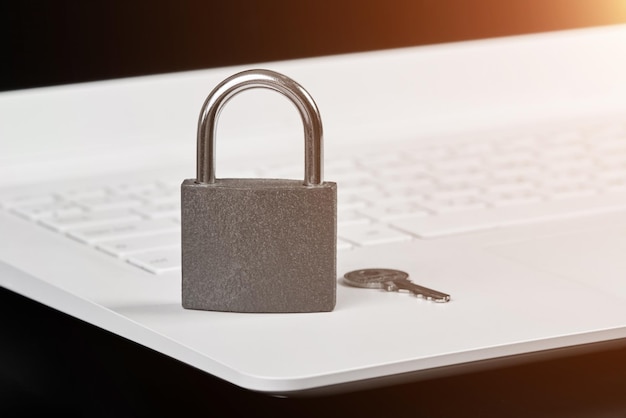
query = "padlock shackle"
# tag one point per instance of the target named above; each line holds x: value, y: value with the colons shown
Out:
x: 227, y: 89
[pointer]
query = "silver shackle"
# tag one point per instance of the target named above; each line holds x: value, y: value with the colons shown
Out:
x: 207, y: 124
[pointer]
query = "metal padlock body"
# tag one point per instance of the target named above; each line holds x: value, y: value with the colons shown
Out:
x: 262, y: 246
x: 259, y: 245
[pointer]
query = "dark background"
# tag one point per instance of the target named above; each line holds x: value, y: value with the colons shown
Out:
x: 52, y: 364
x: 56, y: 42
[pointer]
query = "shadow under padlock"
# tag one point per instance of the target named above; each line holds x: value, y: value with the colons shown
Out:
x: 259, y: 245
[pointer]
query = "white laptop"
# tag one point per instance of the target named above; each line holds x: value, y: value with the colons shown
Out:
x: 493, y: 171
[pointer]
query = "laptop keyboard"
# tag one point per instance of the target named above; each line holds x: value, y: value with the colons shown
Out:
x: 409, y: 194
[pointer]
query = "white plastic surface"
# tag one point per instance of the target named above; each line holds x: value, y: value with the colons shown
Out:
x: 501, y: 304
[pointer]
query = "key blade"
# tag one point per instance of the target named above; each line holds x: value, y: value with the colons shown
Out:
x: 418, y: 290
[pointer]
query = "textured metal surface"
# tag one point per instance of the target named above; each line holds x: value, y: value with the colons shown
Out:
x: 259, y: 245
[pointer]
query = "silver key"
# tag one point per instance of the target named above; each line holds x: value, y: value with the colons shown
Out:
x: 392, y: 281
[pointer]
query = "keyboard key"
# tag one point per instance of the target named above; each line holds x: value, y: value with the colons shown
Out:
x: 157, y: 261
x: 386, y: 211
x: 563, y: 137
x: 355, y: 176
x: 358, y: 188
x: 616, y: 185
x: 55, y: 208
x: 454, y: 204
x: 598, y: 149
x: 518, y: 159
x: 411, y: 188
x: 474, y: 149
x: 520, y: 174
x: 381, y: 160
x: 455, y: 165
x: 371, y: 234
x: 467, y: 221
x: 343, y: 245
x: 463, y: 179
x: 28, y: 200
x: 169, y: 184
x: 510, y: 187
x: 347, y: 201
x: 133, y: 188
x: 83, y: 193
x: 403, y: 173
x: 123, y: 247
x: 340, y: 165
x: 449, y: 224
x: 513, y: 197
x: 351, y: 217
x: 603, y: 131
x: 63, y: 223
x: 579, y: 166
x: 160, y: 210
x: 515, y: 144
x: 108, y: 202
x: 375, y: 196
x: 610, y: 175
x: 158, y: 195
x: 434, y: 153
x: 95, y: 234
x: 447, y: 193
x: 573, y: 190
x: 563, y: 152
x: 612, y: 161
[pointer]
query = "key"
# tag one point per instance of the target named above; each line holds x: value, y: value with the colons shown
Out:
x: 392, y: 281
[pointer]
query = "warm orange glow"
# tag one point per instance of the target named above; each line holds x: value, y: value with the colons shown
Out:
x: 57, y: 42
x: 307, y: 28
x: 420, y: 22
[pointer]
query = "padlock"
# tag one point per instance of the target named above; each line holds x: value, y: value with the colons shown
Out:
x: 259, y: 245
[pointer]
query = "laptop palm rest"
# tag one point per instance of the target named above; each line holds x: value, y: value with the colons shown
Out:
x: 591, y: 258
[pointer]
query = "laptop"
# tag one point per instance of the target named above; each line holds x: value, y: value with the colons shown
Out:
x: 493, y: 171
